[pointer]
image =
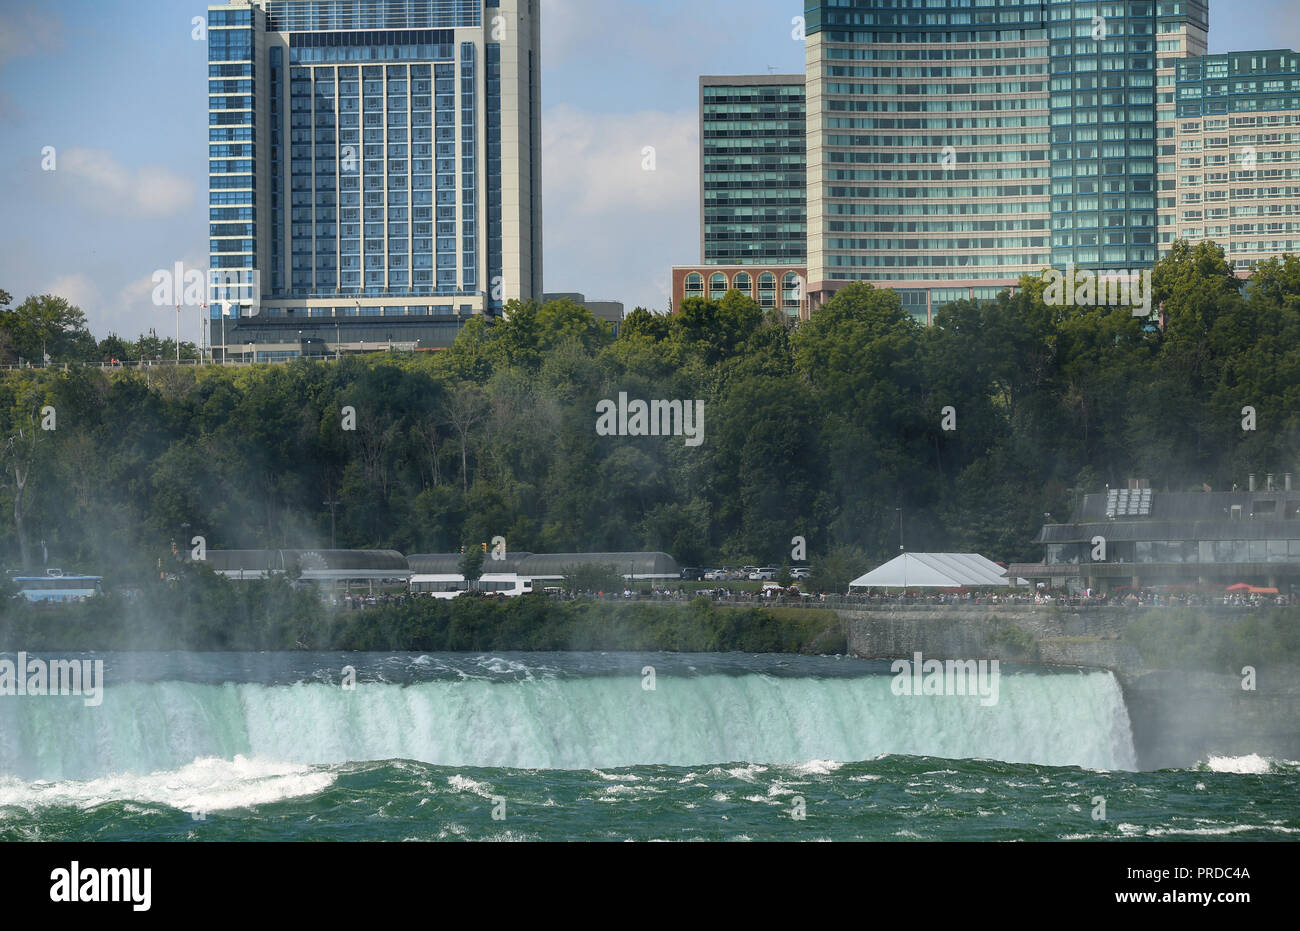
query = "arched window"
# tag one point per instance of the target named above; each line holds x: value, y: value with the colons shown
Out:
x: 791, y: 293
x: 767, y: 290
x: 717, y: 286
x: 743, y: 283
x: 694, y: 285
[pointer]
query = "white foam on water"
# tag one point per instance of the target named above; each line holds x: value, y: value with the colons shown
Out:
x: 816, y: 767
x: 620, y: 789
x: 1250, y: 764
x: 465, y: 784
x: 1219, y: 831
x: 206, y: 785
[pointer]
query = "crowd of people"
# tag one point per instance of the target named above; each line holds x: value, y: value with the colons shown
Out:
x: 881, y: 598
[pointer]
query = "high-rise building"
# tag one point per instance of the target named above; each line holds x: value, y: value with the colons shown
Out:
x: 753, y: 194
x: 373, y: 159
x: 953, y: 147
x: 1229, y: 160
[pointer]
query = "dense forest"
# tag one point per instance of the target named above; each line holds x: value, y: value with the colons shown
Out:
x: 835, y: 430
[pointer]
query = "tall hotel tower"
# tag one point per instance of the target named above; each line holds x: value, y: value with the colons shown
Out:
x: 953, y: 146
x: 374, y: 159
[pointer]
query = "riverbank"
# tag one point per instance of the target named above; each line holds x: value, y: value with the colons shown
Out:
x: 264, y: 616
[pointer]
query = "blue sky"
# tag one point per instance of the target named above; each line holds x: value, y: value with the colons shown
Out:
x: 118, y: 89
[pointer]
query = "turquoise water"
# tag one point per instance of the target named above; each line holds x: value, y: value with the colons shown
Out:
x: 600, y: 747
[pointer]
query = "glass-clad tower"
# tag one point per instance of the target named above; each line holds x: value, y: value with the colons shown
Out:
x: 953, y: 146
x: 753, y: 179
x: 1229, y: 162
x: 375, y: 158
x: 1106, y: 59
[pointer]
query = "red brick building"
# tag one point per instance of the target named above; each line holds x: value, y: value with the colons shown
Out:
x: 783, y: 286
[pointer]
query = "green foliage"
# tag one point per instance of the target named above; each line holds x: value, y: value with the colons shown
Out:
x: 201, y: 611
x: 471, y: 563
x: 827, y: 430
x: 837, y: 568
x: 1015, y: 639
x: 592, y: 578
x: 43, y: 324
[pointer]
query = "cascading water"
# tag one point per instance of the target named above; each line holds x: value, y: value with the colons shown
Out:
x: 550, y: 722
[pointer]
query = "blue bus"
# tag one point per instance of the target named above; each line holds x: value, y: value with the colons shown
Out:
x: 55, y: 586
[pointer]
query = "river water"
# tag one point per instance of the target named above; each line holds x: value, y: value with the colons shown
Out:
x: 556, y: 746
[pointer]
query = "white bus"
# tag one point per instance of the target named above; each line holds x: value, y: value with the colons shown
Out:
x: 55, y: 586
x: 450, y: 585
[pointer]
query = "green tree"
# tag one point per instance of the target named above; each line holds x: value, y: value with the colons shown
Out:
x: 471, y: 563
x: 22, y: 440
x: 44, y: 324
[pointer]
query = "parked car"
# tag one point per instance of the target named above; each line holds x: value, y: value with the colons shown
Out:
x: 715, y: 575
x: 765, y: 574
x: 693, y: 574
x: 800, y: 572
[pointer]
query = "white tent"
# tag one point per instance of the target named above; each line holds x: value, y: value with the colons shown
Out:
x: 936, y: 570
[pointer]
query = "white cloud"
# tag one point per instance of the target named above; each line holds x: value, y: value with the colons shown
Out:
x: 598, y: 163
x: 95, y: 178
x: 613, y: 228
x: 129, y: 311
x: 76, y: 289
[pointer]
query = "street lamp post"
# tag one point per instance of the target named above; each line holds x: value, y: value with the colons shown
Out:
x: 900, y: 548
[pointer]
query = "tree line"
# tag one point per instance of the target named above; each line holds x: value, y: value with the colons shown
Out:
x: 859, y: 429
x: 46, y: 328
